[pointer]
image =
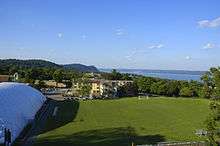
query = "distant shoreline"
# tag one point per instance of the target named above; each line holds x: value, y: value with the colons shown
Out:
x: 165, y: 74
x: 157, y: 71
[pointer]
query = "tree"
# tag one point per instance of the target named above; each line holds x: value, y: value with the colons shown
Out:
x: 211, y: 122
x: 144, y: 84
x: 216, y: 82
x: 30, y: 76
x: 69, y: 84
x: 128, y: 90
x: 12, y: 70
x: 162, y: 88
x: 126, y: 77
x: 211, y: 80
x: 206, y: 91
x: 173, y: 88
x: 41, y: 84
x: 159, y: 87
x: 58, y: 76
x: 153, y: 88
x: 211, y: 130
x: 84, y: 87
x: 212, y: 89
x: 115, y: 75
x: 186, y: 92
x: 195, y: 87
x: 85, y: 90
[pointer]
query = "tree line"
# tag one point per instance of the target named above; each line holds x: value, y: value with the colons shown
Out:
x: 211, y: 89
x: 168, y: 87
x: 208, y: 87
x: 142, y: 84
x: 158, y: 86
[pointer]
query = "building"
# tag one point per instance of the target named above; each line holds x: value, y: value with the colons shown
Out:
x: 108, y: 89
x: 96, y: 90
x: 101, y: 88
x: 4, y: 78
x: 19, y: 103
x: 52, y: 83
x: 123, y: 82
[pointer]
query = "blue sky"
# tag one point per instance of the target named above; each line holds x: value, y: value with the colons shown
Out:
x: 147, y: 34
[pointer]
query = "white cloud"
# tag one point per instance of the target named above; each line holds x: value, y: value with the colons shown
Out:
x: 136, y: 51
x: 84, y: 36
x: 188, y: 58
x: 60, y: 35
x: 132, y: 54
x: 116, y: 66
x: 209, y: 23
x: 129, y: 57
x: 119, y: 32
x: 21, y: 49
x: 209, y: 46
x: 102, y: 65
x: 156, y: 46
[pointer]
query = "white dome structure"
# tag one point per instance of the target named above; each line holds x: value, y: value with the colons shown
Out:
x: 18, y: 105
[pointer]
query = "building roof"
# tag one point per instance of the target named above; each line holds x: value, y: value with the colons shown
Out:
x: 4, y: 78
x: 19, y: 104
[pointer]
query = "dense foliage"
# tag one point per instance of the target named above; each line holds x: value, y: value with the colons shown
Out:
x: 32, y: 70
x: 114, y: 75
x: 80, y: 67
x: 211, y: 79
x: 211, y: 89
x: 8, y: 66
x: 84, y: 87
x: 168, y: 87
x: 158, y: 86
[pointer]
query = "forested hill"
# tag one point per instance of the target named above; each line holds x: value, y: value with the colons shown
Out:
x: 34, y: 63
x: 81, y: 67
x: 28, y: 63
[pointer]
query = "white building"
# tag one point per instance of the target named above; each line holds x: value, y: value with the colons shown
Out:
x: 18, y: 105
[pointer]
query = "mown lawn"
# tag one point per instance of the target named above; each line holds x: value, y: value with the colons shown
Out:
x: 120, y: 122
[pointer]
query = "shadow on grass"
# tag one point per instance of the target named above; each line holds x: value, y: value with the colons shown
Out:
x: 101, y: 137
x: 66, y: 113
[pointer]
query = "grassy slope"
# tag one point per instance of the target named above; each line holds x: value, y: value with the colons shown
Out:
x: 118, y: 122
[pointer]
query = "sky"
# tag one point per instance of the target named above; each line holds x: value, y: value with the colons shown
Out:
x: 135, y: 34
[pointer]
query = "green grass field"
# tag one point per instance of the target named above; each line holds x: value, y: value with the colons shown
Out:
x: 120, y: 122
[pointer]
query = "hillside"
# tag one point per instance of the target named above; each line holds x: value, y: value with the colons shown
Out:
x: 33, y: 63
x: 81, y: 67
x: 28, y: 63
